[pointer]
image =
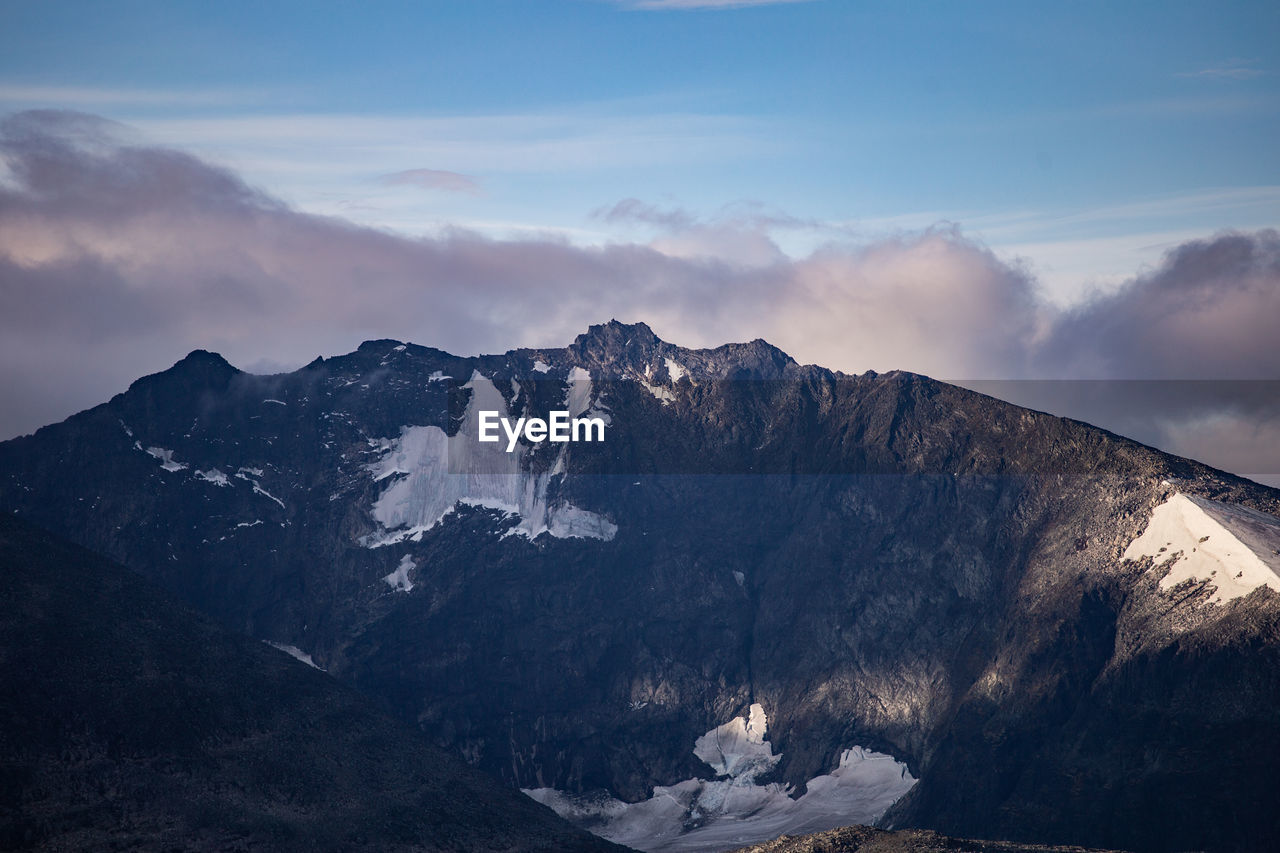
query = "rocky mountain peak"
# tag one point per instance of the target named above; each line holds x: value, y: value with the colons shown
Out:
x: 199, y: 369
x: 617, y: 346
x: 203, y: 359
x: 633, y: 349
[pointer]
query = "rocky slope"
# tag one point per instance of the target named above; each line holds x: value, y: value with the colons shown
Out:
x: 863, y: 839
x: 128, y: 722
x: 881, y: 561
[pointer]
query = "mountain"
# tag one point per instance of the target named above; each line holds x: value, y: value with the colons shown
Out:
x: 886, y: 565
x: 129, y: 722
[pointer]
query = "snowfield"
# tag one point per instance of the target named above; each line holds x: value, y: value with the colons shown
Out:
x: 734, y: 809
x: 294, y: 652
x: 429, y: 475
x: 1234, y: 548
x: 399, y: 579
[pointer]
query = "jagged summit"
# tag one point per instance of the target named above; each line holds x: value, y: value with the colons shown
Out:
x: 634, y: 350
x: 203, y: 359
x: 616, y: 330
x: 612, y: 350
x: 199, y: 368
x: 617, y: 348
x: 379, y: 344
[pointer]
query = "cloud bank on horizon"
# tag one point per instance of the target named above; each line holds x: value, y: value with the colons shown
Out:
x: 116, y: 258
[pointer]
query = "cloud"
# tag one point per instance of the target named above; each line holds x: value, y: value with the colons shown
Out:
x: 626, y: 134
x: 433, y: 179
x: 87, y: 96
x: 1232, y: 69
x: 1211, y: 310
x: 117, y: 258
x: 633, y: 210
x: 1232, y: 424
x: 740, y: 234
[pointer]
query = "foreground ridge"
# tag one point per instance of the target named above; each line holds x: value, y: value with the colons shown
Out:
x: 865, y: 839
x: 129, y: 722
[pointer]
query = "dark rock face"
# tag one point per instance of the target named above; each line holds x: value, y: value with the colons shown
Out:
x: 129, y: 722
x: 881, y: 560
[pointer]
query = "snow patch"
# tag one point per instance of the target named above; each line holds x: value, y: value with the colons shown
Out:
x: 662, y: 393
x: 733, y: 810
x: 1232, y: 547
x: 438, y: 376
x: 248, y: 475
x: 399, y: 579
x: 665, y: 395
x: 258, y: 490
x: 166, y: 459
x: 430, y: 475
x: 566, y: 521
x: 295, y: 652
x: 213, y: 475
x: 577, y: 398
x: 540, y: 366
x: 738, y: 747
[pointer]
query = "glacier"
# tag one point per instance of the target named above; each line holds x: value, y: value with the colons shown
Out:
x: 734, y: 809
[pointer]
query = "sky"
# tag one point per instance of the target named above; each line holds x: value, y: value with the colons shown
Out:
x: 978, y: 191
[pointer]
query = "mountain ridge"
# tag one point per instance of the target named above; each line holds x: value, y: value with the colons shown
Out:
x: 882, y: 560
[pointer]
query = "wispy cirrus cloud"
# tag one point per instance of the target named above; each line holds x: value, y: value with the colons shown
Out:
x: 433, y: 179
x: 686, y: 5
x: 18, y: 95
x: 1231, y: 69
x: 578, y: 140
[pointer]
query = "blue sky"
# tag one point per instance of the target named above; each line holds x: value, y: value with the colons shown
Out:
x: 1084, y: 138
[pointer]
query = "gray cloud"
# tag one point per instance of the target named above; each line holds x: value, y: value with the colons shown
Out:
x: 633, y: 210
x: 433, y: 179
x: 117, y: 258
x: 1211, y: 310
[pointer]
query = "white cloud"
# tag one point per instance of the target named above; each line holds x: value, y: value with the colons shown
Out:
x: 433, y: 179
